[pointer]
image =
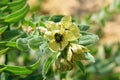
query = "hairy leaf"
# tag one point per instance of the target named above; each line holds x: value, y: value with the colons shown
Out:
x: 83, y: 27
x: 47, y: 64
x: 22, y: 44
x: 20, y: 70
x: 34, y: 43
x: 88, y: 39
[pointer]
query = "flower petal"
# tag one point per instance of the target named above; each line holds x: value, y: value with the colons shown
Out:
x: 49, y: 35
x: 61, y: 31
x: 69, y: 54
x: 75, y: 30
x: 66, y: 21
x: 52, y: 26
x: 53, y: 46
x: 68, y: 35
x: 63, y: 44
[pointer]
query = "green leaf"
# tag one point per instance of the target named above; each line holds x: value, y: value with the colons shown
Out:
x: 108, y: 49
x: 34, y: 43
x: 22, y: 44
x: 83, y: 27
x: 89, y: 58
x: 20, y: 70
x: 15, y: 16
x: 117, y: 59
x: 106, y: 68
x: 8, y: 43
x: 42, y: 23
x: 8, y: 34
x: 33, y: 25
x: 3, y: 51
x: 1, y: 69
x: 102, y: 67
x: 104, y: 15
x: 88, y: 39
x: 11, y: 44
x: 44, y: 48
x: 2, y: 29
x: 56, y: 18
x: 3, y: 8
x: 102, y: 22
x: 16, y: 5
x: 117, y: 3
x: 81, y: 66
x: 47, y: 64
x: 18, y: 15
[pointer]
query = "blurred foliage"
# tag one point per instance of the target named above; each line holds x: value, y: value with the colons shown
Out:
x: 98, y: 20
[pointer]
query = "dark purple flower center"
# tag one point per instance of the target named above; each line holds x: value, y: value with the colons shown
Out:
x: 58, y: 37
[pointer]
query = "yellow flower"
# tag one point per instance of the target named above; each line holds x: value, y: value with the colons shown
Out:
x: 59, y: 34
x: 76, y: 52
x: 55, y: 36
x: 57, y: 40
x: 71, y: 29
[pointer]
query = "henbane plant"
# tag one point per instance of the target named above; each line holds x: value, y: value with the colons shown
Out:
x: 56, y: 43
x: 63, y: 42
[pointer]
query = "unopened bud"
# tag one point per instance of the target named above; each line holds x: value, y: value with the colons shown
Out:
x: 27, y: 29
x: 63, y: 65
x: 41, y: 29
x: 76, y: 52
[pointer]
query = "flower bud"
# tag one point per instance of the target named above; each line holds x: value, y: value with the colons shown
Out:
x: 63, y: 64
x: 42, y: 29
x: 27, y: 29
x: 76, y: 52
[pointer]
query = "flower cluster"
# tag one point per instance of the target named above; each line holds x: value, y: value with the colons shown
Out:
x: 63, y: 36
